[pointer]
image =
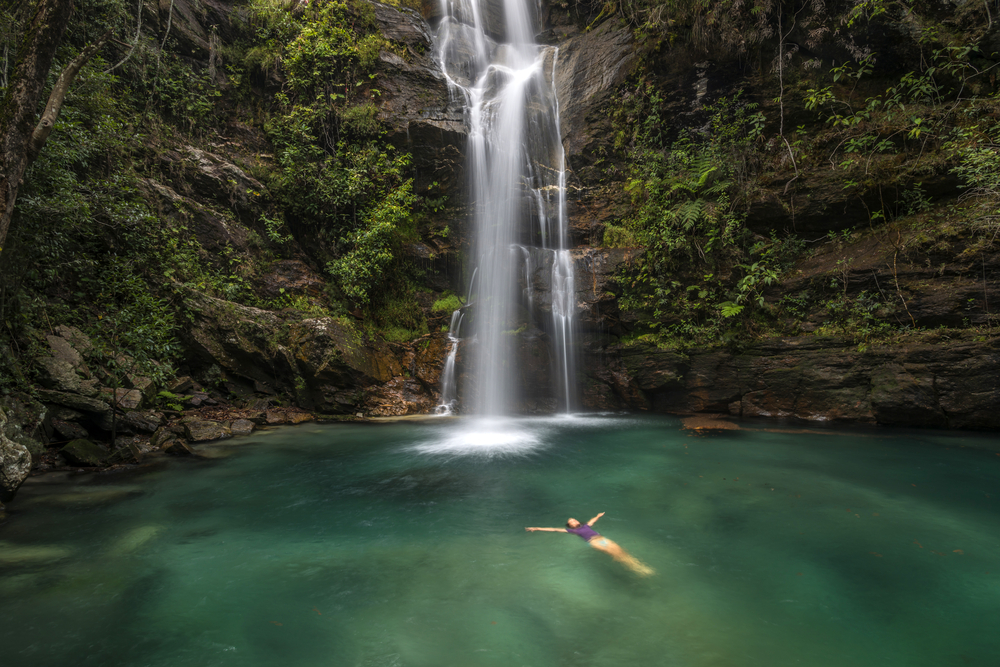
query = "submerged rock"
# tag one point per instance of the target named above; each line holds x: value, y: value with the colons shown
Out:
x: 133, y: 540
x: 12, y: 555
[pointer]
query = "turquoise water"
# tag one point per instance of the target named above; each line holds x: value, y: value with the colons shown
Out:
x: 404, y: 544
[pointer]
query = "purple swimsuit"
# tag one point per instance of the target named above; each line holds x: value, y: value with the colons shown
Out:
x: 584, y: 531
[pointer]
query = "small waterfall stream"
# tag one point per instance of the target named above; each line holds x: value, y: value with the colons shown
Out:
x: 517, y: 173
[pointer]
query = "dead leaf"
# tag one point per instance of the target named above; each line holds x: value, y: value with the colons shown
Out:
x: 937, y: 552
x: 275, y: 623
x: 876, y: 554
x: 958, y: 551
x: 918, y: 544
x: 317, y: 611
x: 874, y: 513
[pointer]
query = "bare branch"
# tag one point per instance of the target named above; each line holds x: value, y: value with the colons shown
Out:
x: 58, y: 95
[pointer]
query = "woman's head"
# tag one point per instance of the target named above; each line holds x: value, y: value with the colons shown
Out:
x: 572, y: 523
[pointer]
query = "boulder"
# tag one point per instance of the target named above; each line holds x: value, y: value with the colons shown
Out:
x: 242, y: 427
x: 85, y: 453
x: 180, y: 385
x: 122, y: 398
x: 276, y: 417
x: 203, y: 430
x: 143, y: 385
x: 161, y: 436
x: 177, y: 447
x: 242, y: 341
x: 136, y: 421
x: 72, y: 401
x: 63, y: 368
x: 194, y: 401
x: 27, y: 423
x: 15, y: 463
x: 79, y: 340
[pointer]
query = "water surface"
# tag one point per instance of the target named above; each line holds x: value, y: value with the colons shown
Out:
x: 404, y: 544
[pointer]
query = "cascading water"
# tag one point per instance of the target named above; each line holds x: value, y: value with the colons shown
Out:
x: 517, y: 169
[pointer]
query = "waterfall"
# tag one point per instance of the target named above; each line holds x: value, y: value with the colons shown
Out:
x: 517, y: 174
x: 449, y: 391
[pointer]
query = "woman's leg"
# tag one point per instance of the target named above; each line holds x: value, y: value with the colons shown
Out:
x: 620, y: 555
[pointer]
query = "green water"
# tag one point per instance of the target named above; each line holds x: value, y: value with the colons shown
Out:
x: 403, y: 544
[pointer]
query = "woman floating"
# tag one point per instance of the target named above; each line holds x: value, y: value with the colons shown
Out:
x: 596, y: 540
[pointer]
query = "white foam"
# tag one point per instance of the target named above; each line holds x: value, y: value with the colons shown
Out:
x: 485, y: 437
x: 504, y: 436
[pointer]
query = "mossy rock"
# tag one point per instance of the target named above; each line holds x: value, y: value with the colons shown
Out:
x: 85, y: 453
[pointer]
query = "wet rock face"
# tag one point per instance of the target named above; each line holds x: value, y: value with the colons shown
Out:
x: 322, y: 362
x: 594, y: 280
x: 491, y: 14
x: 292, y: 277
x: 806, y: 378
x: 821, y: 203
x: 213, y: 231
x: 423, y: 117
x: 590, y: 68
x: 400, y: 396
x: 212, y: 179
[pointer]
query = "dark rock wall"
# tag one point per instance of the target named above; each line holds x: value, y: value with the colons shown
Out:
x: 808, y: 378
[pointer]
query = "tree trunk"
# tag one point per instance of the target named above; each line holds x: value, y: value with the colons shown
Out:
x: 20, y: 100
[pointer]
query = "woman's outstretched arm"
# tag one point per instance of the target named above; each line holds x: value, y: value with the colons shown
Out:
x: 547, y: 530
x: 594, y: 520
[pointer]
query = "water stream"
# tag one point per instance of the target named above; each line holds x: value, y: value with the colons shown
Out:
x: 518, y: 190
x: 404, y: 545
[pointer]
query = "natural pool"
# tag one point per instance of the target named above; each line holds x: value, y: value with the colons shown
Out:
x: 404, y: 544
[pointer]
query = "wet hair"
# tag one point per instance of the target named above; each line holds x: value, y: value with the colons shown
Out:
x: 569, y: 525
